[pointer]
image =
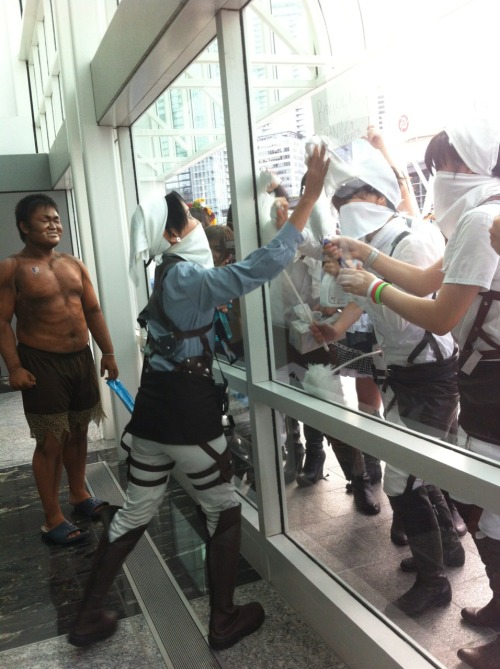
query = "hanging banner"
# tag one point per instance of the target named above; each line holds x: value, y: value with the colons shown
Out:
x: 341, y: 111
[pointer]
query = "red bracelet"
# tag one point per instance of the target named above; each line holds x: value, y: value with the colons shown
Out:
x: 374, y: 290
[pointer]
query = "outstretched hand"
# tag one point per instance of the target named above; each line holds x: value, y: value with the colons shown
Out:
x: 355, y: 281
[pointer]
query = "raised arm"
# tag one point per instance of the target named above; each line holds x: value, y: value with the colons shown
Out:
x: 409, y: 202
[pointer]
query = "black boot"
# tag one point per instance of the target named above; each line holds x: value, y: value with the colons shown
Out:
x: 364, y: 499
x: 453, y: 551
x: 93, y: 623
x: 458, y: 521
x: 312, y: 470
x: 482, y: 657
x: 345, y: 457
x: 373, y: 468
x: 228, y: 623
x: 489, y: 615
x: 352, y: 463
x: 398, y: 535
x: 294, y: 450
x: 431, y: 587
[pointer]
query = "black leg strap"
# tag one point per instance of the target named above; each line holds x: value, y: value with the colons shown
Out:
x: 141, y: 466
x: 223, y: 464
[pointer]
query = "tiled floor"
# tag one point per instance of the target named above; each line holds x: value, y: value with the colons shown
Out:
x: 40, y: 586
x: 359, y: 550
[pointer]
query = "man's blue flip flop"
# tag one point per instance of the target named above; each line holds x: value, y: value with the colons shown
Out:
x: 60, y: 534
x: 90, y: 507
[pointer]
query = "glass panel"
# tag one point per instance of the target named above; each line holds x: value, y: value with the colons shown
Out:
x: 51, y: 43
x: 44, y: 81
x: 33, y: 87
x: 44, y: 62
x: 37, y: 77
x: 51, y: 128
x: 337, y: 507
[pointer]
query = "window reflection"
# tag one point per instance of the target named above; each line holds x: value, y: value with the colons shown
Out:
x: 336, y: 505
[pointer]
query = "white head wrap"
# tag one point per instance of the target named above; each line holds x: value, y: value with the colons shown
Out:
x: 146, y: 234
x: 368, y: 166
x: 477, y: 141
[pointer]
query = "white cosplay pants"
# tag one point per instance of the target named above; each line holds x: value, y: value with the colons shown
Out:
x: 150, y: 464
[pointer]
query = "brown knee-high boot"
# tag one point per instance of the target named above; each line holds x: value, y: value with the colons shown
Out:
x: 228, y: 622
x: 93, y: 623
x: 431, y: 587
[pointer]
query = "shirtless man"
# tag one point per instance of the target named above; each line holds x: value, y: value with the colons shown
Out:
x: 53, y: 299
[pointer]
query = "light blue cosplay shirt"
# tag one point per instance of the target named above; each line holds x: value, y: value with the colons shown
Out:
x: 191, y: 292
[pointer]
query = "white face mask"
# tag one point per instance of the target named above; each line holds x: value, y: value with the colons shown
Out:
x: 358, y: 219
x: 194, y: 247
x: 454, y: 194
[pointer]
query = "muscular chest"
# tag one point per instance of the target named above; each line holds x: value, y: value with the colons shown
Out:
x: 38, y: 282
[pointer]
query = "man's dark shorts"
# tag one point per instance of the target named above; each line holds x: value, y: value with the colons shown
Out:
x: 66, y: 395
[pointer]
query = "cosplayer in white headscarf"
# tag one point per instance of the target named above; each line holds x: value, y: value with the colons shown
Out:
x: 465, y: 158
x: 177, y: 415
x: 148, y: 241
x: 456, y: 193
x: 420, y: 387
